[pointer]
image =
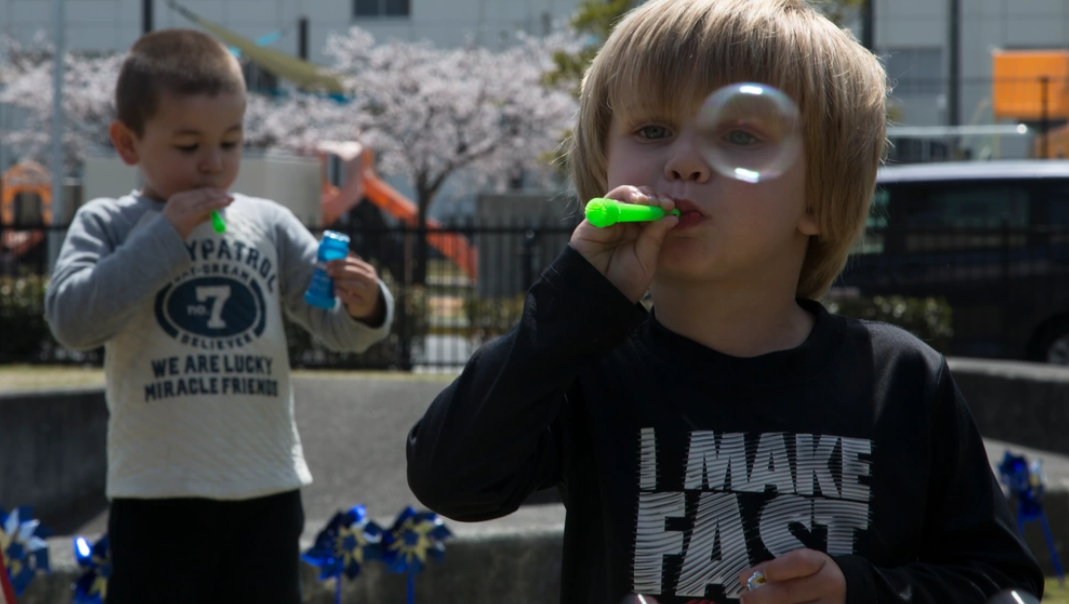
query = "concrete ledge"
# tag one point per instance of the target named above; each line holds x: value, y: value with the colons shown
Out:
x: 1017, y: 402
x: 56, y: 461
x: 514, y: 560
x: 53, y: 453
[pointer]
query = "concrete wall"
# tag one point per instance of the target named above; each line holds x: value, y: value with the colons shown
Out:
x: 290, y: 180
x: 517, y: 566
x: 1017, y: 402
x: 52, y: 453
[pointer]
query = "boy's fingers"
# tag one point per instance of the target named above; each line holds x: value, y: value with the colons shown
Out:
x: 354, y: 285
x: 349, y: 269
x: 651, y: 197
x: 652, y: 237
x: 793, y: 591
x: 792, y: 565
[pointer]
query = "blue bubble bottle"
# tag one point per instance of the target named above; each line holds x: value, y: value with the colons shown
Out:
x: 333, y: 246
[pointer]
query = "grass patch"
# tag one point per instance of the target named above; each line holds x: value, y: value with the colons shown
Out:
x: 40, y: 377
x: 1054, y: 593
x: 43, y: 377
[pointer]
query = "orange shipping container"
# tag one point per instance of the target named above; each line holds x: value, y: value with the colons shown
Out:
x: 1017, y: 89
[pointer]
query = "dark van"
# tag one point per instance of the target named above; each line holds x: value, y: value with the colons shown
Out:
x: 992, y: 238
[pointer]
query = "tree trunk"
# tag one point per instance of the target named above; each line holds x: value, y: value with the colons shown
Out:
x: 419, y: 272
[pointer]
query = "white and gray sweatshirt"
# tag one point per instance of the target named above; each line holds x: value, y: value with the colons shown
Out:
x: 197, y: 369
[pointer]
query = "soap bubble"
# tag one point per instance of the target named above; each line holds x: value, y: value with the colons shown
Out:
x: 750, y: 132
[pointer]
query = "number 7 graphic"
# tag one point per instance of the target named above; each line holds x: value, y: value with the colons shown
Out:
x: 218, y: 295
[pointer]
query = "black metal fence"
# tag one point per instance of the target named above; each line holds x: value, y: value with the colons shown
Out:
x: 462, y: 288
x: 1008, y: 290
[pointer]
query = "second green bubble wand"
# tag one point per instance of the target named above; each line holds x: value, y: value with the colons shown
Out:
x: 217, y: 222
x: 602, y: 212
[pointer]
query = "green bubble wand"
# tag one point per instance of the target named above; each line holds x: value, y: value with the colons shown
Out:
x: 602, y: 212
x: 217, y: 222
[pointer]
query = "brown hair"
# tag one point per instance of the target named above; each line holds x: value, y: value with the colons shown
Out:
x: 668, y: 55
x: 172, y: 61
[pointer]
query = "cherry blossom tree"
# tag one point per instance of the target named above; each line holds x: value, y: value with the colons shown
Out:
x: 89, y: 83
x: 428, y: 113
x: 470, y: 112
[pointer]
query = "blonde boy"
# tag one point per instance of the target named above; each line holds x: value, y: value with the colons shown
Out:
x: 738, y: 428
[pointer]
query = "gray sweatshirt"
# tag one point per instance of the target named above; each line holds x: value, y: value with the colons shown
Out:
x: 198, y: 377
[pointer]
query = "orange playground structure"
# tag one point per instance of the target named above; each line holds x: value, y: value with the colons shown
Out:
x: 362, y: 183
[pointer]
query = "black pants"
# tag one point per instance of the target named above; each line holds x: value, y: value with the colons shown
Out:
x: 197, y: 551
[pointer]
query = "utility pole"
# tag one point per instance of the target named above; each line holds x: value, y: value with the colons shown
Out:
x: 954, y: 63
x: 302, y: 38
x: 146, y: 16
x: 59, y: 209
x: 868, y: 32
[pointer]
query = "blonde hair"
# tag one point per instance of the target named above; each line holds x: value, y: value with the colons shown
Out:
x: 666, y: 56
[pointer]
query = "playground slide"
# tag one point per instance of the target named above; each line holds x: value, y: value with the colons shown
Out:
x: 336, y: 202
x: 24, y: 177
x: 18, y: 243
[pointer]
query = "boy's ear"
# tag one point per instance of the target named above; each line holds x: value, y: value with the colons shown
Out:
x: 808, y: 224
x: 123, y: 140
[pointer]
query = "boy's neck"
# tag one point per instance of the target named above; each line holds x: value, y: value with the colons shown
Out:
x: 736, y: 320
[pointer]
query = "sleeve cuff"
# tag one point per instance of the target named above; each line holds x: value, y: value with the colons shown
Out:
x: 594, y: 303
x: 860, y: 587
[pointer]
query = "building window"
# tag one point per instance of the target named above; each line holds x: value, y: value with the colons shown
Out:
x: 258, y: 79
x: 915, y: 72
x: 380, y: 8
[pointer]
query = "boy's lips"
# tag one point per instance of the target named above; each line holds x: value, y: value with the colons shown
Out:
x: 686, y: 206
x: 690, y: 214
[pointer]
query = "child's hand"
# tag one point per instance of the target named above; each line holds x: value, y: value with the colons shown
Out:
x: 626, y: 253
x: 357, y: 285
x: 187, y: 209
x: 804, y: 575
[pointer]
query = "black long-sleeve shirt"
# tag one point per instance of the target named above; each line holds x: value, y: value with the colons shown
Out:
x: 681, y: 467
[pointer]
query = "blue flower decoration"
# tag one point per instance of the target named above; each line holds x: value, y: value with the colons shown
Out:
x: 22, y: 546
x: 92, y: 586
x: 412, y: 539
x: 348, y: 541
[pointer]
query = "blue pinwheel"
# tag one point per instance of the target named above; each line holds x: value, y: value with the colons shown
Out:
x: 1029, y: 485
x: 348, y: 541
x: 23, y: 547
x: 92, y: 586
x: 412, y: 539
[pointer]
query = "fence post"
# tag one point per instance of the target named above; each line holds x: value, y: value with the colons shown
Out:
x: 404, y: 323
x: 530, y: 255
x: 1044, y: 87
x: 1005, y: 285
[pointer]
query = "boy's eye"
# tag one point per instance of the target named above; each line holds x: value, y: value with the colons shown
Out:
x: 653, y: 132
x: 186, y: 148
x: 741, y: 138
x: 229, y: 145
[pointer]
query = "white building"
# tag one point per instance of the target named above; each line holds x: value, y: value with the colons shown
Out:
x: 95, y: 25
x: 914, y: 37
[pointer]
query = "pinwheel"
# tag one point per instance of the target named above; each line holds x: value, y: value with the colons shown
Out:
x: 92, y: 586
x: 348, y: 541
x: 1029, y: 485
x: 22, y: 547
x: 412, y: 539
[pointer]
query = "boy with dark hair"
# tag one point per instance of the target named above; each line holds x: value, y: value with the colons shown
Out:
x: 205, y: 464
